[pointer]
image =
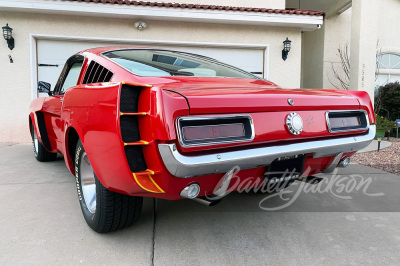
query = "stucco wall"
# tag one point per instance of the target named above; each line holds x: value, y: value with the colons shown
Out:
x: 320, y: 50
x: 389, y: 21
x: 337, y: 34
x: 16, y: 78
x: 313, y: 59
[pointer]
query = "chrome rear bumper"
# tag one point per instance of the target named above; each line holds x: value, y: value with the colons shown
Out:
x: 189, y: 166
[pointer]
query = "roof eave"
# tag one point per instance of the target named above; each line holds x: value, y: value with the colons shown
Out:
x: 305, y: 22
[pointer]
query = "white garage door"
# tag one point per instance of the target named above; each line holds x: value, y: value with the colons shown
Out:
x: 51, y: 56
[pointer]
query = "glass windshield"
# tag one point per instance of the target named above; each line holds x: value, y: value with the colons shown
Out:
x: 153, y: 62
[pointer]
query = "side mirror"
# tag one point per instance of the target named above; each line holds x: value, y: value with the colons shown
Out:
x: 44, y: 87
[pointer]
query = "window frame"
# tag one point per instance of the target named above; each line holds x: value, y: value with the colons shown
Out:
x: 385, y: 71
x: 78, y: 58
x: 205, y: 58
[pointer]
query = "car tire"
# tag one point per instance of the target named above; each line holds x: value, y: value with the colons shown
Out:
x: 104, y: 210
x: 40, y: 152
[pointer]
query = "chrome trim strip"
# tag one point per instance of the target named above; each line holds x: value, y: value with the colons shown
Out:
x: 184, y: 166
x: 346, y: 112
x: 212, y: 118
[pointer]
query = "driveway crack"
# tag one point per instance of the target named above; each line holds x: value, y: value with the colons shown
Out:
x: 3, y: 145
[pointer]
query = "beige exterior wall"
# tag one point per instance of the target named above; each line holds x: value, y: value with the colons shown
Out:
x: 275, y: 4
x: 320, y: 51
x: 388, y: 22
x: 16, y: 78
x: 313, y: 59
x: 337, y: 30
x: 337, y: 34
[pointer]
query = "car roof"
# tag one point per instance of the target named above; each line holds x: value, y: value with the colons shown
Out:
x: 99, y: 50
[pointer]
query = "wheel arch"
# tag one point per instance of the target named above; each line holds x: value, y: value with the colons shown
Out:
x: 36, y: 120
x: 30, y: 125
x: 71, y: 139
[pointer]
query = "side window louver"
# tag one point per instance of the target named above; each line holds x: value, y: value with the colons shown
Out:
x: 96, y: 73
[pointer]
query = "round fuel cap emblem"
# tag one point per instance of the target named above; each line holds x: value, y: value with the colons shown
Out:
x: 294, y: 123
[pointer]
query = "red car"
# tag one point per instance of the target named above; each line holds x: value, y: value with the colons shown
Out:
x: 135, y: 122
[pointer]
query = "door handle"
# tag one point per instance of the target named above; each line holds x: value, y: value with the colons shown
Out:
x: 47, y: 65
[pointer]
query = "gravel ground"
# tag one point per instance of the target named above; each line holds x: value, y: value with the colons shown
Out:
x: 387, y: 160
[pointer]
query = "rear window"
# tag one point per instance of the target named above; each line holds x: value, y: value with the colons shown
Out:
x: 159, y: 63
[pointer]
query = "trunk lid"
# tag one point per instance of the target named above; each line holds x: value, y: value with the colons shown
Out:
x: 244, y: 96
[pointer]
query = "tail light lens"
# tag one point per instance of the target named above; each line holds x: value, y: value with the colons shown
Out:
x: 214, y: 130
x: 342, y: 121
x: 339, y: 122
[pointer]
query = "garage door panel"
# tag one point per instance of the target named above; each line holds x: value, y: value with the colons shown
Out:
x: 56, y: 52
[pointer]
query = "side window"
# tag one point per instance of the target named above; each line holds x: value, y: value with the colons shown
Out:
x: 72, y: 77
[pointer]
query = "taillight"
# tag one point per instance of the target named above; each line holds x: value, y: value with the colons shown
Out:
x: 342, y: 121
x: 339, y: 122
x: 214, y: 130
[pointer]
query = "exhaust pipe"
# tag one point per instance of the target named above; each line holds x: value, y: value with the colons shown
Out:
x: 207, y: 202
x: 344, y: 162
x: 193, y: 190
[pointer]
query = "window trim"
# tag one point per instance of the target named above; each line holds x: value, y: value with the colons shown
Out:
x: 206, y: 58
x: 77, y: 58
x: 379, y: 63
x: 385, y: 71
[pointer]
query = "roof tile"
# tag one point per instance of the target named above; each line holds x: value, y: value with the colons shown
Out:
x: 288, y: 11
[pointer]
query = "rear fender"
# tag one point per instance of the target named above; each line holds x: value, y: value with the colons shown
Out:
x: 365, y: 102
x: 37, y: 121
x: 93, y: 111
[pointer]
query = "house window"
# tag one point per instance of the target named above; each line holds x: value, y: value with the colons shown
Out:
x: 388, y: 70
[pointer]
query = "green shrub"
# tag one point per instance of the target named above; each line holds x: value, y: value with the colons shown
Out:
x: 388, y: 101
x: 384, y: 123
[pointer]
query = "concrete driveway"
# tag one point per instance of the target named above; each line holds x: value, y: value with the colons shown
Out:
x: 41, y: 223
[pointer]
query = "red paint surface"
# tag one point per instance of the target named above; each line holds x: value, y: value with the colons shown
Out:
x: 93, y: 112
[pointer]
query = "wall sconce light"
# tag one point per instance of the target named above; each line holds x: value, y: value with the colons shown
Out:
x: 140, y: 25
x: 7, y: 34
x: 286, y: 48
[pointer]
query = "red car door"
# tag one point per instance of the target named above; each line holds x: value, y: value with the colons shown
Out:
x: 52, y: 115
x: 53, y: 105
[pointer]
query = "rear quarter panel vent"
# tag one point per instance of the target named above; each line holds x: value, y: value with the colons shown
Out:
x: 129, y: 102
x: 96, y: 73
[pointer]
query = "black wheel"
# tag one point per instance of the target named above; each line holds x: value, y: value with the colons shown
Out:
x: 41, y: 154
x: 104, y: 210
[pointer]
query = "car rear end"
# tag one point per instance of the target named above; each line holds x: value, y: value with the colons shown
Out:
x: 190, y: 137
